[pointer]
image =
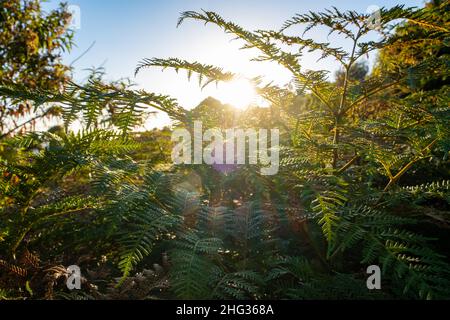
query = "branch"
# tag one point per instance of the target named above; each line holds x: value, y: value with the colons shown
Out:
x: 18, y: 126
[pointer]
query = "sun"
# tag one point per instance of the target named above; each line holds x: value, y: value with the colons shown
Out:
x: 240, y: 93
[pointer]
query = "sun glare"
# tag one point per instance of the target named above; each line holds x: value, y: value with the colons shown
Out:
x: 240, y: 93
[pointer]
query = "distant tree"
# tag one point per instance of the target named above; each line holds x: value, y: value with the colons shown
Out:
x: 31, y: 44
x: 413, y: 43
x: 214, y: 113
x: 154, y: 146
x: 358, y: 72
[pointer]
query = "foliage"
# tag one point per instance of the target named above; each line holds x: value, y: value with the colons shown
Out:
x: 351, y: 190
x: 31, y: 44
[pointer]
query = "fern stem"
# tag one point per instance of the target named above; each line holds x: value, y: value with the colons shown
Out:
x: 338, y: 114
x: 409, y: 165
x: 348, y: 164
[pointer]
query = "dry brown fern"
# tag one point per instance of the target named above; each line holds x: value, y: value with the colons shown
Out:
x: 142, y: 285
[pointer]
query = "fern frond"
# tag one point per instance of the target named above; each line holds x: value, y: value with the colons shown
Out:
x: 206, y: 73
x: 193, y: 266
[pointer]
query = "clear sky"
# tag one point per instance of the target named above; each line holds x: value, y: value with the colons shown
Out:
x: 125, y: 32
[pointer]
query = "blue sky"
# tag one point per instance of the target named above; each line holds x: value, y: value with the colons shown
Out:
x: 125, y: 32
